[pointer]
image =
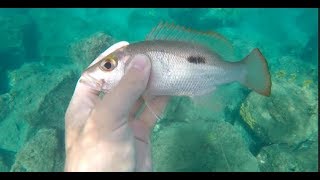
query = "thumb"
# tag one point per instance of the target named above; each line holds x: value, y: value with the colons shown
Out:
x: 117, y: 104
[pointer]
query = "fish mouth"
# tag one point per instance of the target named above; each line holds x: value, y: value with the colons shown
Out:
x: 91, y: 82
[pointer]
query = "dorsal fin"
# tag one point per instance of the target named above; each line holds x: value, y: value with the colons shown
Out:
x: 212, y: 40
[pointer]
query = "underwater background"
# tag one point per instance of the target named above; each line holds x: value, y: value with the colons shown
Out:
x: 44, y: 51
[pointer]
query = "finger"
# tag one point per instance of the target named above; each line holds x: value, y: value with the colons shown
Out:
x: 79, y: 109
x: 135, y: 109
x: 157, y: 104
x: 117, y: 104
x: 82, y: 101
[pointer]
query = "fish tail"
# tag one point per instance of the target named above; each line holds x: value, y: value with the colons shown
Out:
x: 257, y: 75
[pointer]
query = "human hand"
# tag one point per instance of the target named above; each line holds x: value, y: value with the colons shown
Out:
x: 102, y: 134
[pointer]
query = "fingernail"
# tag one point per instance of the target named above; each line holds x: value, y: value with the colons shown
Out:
x: 139, y: 62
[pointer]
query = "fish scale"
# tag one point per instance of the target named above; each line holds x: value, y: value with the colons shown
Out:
x: 174, y: 75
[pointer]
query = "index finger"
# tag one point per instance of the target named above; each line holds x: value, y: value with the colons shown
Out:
x: 79, y: 109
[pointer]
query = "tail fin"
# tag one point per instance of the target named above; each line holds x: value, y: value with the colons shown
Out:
x: 258, y: 75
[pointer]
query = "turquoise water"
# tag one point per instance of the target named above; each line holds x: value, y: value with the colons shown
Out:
x: 43, y: 52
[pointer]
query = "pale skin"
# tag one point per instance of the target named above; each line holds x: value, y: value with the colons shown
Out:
x: 103, y: 134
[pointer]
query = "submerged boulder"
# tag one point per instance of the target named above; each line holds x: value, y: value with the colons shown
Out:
x: 84, y: 51
x: 201, y: 146
x: 6, y: 105
x: 39, y: 94
x: 40, y: 154
x: 284, y: 158
x: 289, y: 115
x: 33, y: 83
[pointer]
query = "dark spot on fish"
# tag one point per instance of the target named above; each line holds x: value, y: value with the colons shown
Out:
x: 196, y: 59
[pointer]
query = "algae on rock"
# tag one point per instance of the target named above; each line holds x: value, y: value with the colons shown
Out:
x: 35, y: 99
x: 284, y: 158
x: 201, y: 146
x: 6, y: 105
x: 40, y: 154
x: 39, y: 79
x: 289, y: 115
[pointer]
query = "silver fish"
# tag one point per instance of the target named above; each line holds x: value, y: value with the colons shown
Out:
x: 184, y: 63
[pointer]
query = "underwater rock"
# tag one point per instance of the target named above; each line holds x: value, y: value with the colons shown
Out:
x: 40, y: 154
x: 55, y: 103
x: 32, y: 83
x: 4, y: 87
x: 13, y: 132
x: 294, y: 70
x: 6, y: 105
x: 284, y: 158
x: 86, y: 50
x: 201, y: 146
x: 39, y: 95
x: 253, y: 142
x: 289, y: 115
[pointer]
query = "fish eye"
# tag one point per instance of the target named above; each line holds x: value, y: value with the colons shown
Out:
x: 108, y: 64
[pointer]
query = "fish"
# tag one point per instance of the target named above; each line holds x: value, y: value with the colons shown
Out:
x: 184, y: 62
